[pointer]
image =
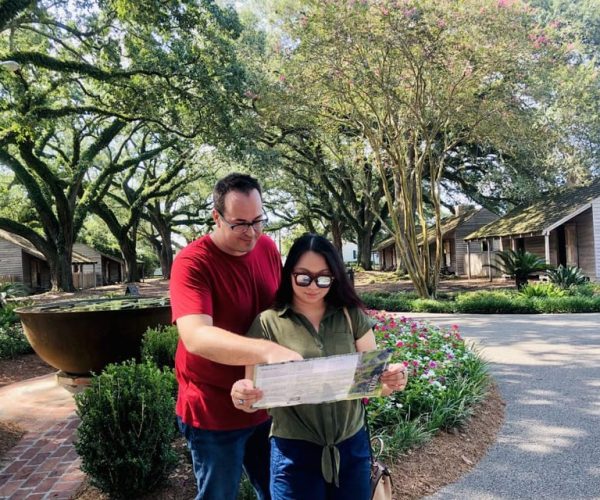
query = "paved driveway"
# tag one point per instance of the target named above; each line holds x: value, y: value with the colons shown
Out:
x: 548, y: 370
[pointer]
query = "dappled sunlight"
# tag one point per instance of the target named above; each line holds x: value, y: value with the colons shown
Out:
x: 593, y: 471
x: 543, y: 353
x: 536, y: 401
x: 535, y: 437
x: 594, y: 410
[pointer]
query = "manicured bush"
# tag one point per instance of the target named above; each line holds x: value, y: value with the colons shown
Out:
x: 585, y: 289
x: 568, y: 304
x: 397, y: 302
x: 446, y: 379
x: 13, y: 342
x: 484, y: 302
x: 432, y: 305
x: 533, y: 298
x: 126, y: 430
x: 542, y: 290
x: 159, y: 346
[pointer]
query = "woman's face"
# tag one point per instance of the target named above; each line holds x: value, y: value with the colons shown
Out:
x: 313, y: 265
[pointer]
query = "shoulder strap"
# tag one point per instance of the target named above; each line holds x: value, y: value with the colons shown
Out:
x: 347, y: 314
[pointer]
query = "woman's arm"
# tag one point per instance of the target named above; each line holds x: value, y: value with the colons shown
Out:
x: 244, y: 394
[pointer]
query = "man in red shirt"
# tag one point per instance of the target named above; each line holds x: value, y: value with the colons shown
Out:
x: 219, y: 284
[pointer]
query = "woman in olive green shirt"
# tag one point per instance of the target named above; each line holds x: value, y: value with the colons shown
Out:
x: 318, y: 451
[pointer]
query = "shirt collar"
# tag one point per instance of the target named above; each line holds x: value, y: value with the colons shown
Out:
x: 287, y: 309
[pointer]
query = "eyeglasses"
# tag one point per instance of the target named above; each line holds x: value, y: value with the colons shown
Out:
x: 243, y: 227
x: 305, y: 279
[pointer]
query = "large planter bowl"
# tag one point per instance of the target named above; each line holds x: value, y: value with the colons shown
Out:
x: 84, y: 336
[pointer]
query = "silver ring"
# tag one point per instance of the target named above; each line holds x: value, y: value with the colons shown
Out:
x: 240, y: 401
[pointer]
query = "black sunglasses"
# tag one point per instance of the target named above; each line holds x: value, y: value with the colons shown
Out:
x: 305, y: 279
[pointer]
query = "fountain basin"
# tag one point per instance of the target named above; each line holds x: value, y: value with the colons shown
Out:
x: 83, y: 336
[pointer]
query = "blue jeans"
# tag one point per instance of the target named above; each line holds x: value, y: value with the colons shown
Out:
x: 219, y: 456
x: 296, y: 470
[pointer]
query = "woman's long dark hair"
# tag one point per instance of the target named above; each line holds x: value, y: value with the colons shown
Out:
x: 341, y: 293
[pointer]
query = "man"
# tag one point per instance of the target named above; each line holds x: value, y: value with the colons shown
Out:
x: 219, y: 284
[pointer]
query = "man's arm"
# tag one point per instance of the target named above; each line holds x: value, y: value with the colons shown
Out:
x: 200, y: 337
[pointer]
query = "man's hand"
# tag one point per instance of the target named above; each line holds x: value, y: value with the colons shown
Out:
x: 244, y: 395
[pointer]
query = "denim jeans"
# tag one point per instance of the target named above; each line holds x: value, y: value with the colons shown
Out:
x: 296, y: 470
x: 219, y: 456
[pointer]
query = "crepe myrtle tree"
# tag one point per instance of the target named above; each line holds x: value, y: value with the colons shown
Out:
x: 418, y: 78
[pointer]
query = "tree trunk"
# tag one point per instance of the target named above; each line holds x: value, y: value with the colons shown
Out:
x: 166, y: 257
x: 364, y: 249
x: 336, y: 236
x: 130, y: 256
x: 61, y: 273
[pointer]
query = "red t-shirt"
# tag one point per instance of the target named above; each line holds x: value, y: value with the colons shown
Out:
x: 233, y: 290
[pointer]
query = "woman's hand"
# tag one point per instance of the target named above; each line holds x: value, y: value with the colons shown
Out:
x: 244, y: 395
x: 394, y: 379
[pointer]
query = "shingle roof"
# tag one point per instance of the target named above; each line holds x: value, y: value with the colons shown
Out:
x: 449, y: 224
x: 28, y: 247
x: 537, y: 218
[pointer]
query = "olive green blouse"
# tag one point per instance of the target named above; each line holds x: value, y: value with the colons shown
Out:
x: 325, y: 424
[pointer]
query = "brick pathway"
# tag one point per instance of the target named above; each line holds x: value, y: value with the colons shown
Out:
x: 44, y: 464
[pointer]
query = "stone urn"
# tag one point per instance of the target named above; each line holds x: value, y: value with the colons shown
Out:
x: 83, y: 336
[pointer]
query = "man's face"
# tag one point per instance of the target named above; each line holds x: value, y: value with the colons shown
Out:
x: 239, y: 208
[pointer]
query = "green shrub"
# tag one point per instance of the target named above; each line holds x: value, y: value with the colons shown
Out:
x: 13, y: 342
x: 159, y: 346
x: 387, y: 302
x: 566, y: 276
x: 432, y: 305
x: 126, y: 430
x: 7, y: 315
x: 585, y: 289
x: 485, y: 302
x: 542, y: 290
x: 568, y: 304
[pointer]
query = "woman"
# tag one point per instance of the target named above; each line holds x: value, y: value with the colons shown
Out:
x: 317, y: 451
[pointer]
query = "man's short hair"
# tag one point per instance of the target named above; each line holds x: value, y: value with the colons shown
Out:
x: 233, y: 182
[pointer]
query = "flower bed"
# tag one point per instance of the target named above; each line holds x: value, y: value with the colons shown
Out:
x: 447, y: 378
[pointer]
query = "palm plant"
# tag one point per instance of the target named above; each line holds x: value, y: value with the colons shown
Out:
x: 9, y: 290
x: 519, y: 265
x: 567, y: 276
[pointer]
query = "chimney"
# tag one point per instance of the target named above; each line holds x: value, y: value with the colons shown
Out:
x: 460, y: 209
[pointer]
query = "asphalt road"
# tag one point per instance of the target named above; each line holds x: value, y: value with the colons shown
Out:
x: 548, y: 371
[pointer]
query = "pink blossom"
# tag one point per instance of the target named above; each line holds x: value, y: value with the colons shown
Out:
x: 365, y: 401
x: 282, y: 78
x: 505, y: 3
x: 415, y: 363
x: 432, y: 364
x: 441, y: 23
x: 399, y: 344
